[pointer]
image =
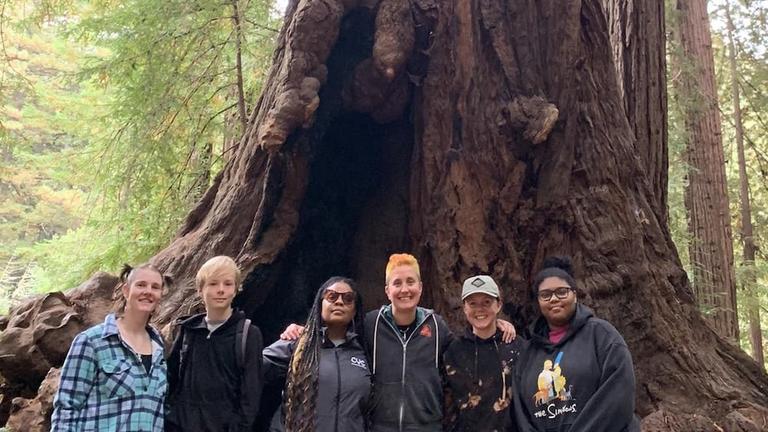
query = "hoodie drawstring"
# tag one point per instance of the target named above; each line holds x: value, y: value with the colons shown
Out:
x: 375, y: 337
x: 477, y: 355
x: 503, y: 375
x: 437, y: 342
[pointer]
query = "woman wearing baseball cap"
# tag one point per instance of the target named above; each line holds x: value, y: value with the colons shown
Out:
x: 479, y: 364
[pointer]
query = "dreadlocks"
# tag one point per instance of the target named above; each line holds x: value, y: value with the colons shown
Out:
x: 301, y: 383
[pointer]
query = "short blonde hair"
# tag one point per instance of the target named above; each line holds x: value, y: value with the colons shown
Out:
x: 401, y: 259
x: 216, y: 266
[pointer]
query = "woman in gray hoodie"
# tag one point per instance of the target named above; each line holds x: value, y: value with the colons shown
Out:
x: 328, y: 382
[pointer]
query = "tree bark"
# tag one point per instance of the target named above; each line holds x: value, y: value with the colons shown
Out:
x: 481, y: 135
x: 706, y: 195
x: 747, y: 236
x: 638, y: 33
x: 199, y: 166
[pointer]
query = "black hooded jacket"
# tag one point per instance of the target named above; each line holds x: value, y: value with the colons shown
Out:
x: 479, y: 377
x: 210, y: 393
x: 408, y: 389
x: 584, y: 383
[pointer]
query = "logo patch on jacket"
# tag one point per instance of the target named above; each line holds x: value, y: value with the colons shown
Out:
x: 553, y: 391
x: 354, y: 361
x: 426, y: 331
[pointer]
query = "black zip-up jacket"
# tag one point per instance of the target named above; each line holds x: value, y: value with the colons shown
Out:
x: 479, y: 376
x: 211, y: 393
x: 344, y: 383
x: 408, y: 388
x: 584, y: 383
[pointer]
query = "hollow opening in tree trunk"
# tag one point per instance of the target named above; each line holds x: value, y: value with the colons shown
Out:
x: 355, y: 209
x: 353, y: 216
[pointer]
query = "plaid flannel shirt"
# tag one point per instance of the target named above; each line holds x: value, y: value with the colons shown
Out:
x: 105, y: 387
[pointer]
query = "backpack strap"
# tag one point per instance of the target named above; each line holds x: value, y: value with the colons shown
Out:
x: 241, y: 340
x: 183, y: 352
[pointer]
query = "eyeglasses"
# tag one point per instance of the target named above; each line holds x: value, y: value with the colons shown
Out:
x: 346, y: 297
x: 559, y: 292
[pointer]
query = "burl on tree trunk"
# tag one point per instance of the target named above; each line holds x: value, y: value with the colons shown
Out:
x: 482, y: 135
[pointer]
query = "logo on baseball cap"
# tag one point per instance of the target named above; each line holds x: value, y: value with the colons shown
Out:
x: 479, y: 284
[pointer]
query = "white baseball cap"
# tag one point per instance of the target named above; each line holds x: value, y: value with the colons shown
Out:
x: 479, y: 284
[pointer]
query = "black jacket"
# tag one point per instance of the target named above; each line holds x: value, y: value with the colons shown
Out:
x: 479, y: 377
x: 408, y: 389
x: 210, y: 393
x: 584, y: 383
x: 344, y: 383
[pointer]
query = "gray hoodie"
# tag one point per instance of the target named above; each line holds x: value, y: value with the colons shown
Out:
x: 344, y: 383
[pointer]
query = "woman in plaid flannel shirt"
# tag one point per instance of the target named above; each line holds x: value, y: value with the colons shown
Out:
x: 114, y: 376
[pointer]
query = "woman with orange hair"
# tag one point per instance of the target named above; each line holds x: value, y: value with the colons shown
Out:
x: 406, y: 343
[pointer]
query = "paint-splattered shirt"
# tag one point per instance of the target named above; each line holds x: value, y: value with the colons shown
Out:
x: 479, y: 375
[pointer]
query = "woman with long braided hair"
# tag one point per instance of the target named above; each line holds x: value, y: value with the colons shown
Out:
x: 326, y: 371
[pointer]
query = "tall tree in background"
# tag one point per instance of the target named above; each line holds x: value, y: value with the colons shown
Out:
x: 747, y: 234
x: 706, y: 195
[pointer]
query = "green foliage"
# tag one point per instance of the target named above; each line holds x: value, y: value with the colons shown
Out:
x: 122, y: 114
x: 38, y: 199
x: 752, y: 72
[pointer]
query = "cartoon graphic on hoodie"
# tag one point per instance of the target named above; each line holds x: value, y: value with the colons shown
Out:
x: 551, y: 383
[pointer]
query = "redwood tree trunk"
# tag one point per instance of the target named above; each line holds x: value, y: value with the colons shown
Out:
x: 482, y: 135
x: 637, y: 30
x: 706, y: 194
x: 469, y: 172
x: 747, y: 236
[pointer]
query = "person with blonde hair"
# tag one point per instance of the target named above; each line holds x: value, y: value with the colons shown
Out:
x: 214, y: 369
x: 114, y: 376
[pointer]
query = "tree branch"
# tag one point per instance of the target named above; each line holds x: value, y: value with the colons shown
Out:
x: 260, y: 26
x: 239, y: 62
